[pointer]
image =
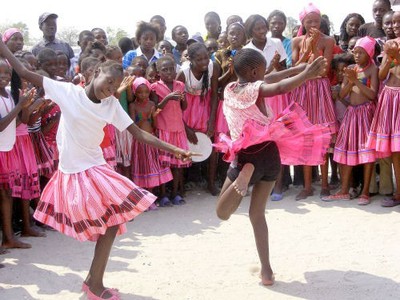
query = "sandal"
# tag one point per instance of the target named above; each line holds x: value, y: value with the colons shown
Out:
x: 363, y: 200
x: 336, y: 197
x: 178, y: 200
x: 92, y: 296
x: 276, y: 197
x: 164, y: 202
x: 390, y: 202
x: 113, y: 291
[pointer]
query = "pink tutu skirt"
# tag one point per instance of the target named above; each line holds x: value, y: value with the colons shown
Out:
x: 221, y: 126
x: 384, y: 135
x: 299, y: 142
x: 176, y: 138
x: 123, y: 147
x: 197, y: 113
x: 351, y: 144
x: 83, y: 205
x: 315, y: 97
x: 28, y: 168
x: 43, y: 154
x: 10, y: 177
x: 147, y: 171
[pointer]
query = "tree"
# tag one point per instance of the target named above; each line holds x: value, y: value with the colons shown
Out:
x: 69, y: 35
x: 114, y: 35
x: 290, y: 24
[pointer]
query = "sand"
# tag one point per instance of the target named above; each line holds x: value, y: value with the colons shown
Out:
x: 318, y: 250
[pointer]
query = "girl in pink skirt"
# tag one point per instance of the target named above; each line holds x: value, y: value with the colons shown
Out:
x: 260, y: 141
x: 169, y: 96
x: 361, y: 85
x: 384, y: 135
x: 146, y: 173
x: 86, y: 199
x: 201, y: 87
x: 314, y: 96
x: 11, y: 183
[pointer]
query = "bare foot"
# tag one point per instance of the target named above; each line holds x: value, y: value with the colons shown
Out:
x: 304, y: 194
x: 267, y: 278
x: 241, y: 184
x: 3, y: 250
x: 31, y: 231
x: 16, y: 244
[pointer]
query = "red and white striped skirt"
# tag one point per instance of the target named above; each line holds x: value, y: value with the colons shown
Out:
x: 43, y: 153
x: 384, y: 135
x: 176, y: 138
x: 10, y: 177
x: 315, y: 97
x: 147, y: 171
x: 123, y: 147
x: 83, y: 205
x: 351, y: 144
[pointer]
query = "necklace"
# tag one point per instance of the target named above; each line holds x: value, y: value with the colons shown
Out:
x: 358, y: 70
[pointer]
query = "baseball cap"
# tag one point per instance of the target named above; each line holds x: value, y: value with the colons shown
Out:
x: 43, y: 17
x: 196, y: 38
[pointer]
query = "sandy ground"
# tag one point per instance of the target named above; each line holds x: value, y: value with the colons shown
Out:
x: 318, y: 251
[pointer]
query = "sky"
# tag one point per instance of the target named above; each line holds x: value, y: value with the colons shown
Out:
x: 125, y: 14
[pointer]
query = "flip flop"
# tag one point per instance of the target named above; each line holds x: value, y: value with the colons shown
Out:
x: 276, y: 197
x: 336, y: 197
x: 363, y: 200
x: 164, y: 202
x: 390, y: 202
x: 178, y: 200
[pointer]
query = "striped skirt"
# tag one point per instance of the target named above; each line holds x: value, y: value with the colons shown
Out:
x: 176, y: 138
x: 83, y: 205
x: 28, y: 168
x: 147, y: 171
x: 384, y: 135
x: 221, y: 126
x: 10, y: 177
x: 123, y: 147
x: 315, y: 97
x: 278, y: 103
x: 351, y: 144
x: 43, y: 153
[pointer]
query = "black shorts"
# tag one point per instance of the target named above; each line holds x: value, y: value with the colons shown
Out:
x: 265, y: 158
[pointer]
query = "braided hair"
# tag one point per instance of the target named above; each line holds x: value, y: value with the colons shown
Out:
x: 193, y: 49
x: 246, y: 60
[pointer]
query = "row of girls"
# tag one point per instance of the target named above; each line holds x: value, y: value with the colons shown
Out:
x: 174, y: 92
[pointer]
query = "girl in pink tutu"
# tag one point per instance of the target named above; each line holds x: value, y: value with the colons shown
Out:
x: 260, y: 141
x: 169, y: 96
x: 361, y: 85
x: 11, y: 183
x: 384, y: 135
x: 147, y: 173
x: 314, y: 96
x: 85, y: 198
x: 201, y: 87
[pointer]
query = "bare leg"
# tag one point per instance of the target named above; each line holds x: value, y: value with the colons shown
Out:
x: 175, y: 181
x: 212, y: 172
x: 27, y: 229
x: 231, y: 193
x: 324, y: 173
x: 279, y: 182
x: 345, y: 174
x: 396, y: 166
x: 307, y: 191
x: 9, y: 240
x: 259, y: 197
x: 101, y: 255
x: 367, y: 178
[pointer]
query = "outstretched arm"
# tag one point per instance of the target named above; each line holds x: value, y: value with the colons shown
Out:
x: 34, y: 78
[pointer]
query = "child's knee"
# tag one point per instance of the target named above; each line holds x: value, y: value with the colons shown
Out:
x: 223, y: 215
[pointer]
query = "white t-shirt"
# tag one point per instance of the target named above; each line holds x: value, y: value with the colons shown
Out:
x: 273, y: 45
x: 8, y: 135
x: 80, y: 131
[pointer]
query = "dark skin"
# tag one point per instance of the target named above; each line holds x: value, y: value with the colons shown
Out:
x: 49, y: 28
x: 103, y: 85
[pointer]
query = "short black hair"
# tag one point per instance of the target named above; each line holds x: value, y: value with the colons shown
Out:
x: 246, y: 60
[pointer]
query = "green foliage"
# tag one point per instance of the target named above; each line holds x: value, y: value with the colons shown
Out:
x: 114, y: 35
x: 21, y: 26
x: 69, y: 35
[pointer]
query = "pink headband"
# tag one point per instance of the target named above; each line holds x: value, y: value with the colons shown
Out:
x: 368, y: 44
x: 310, y: 8
x: 9, y: 33
x: 139, y: 81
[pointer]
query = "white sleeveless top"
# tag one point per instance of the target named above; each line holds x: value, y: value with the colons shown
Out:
x: 194, y: 86
x: 8, y: 135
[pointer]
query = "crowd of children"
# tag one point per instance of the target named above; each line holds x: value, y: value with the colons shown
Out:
x: 172, y: 89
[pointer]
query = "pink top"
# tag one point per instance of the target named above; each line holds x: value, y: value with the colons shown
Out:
x: 170, y: 118
x: 240, y: 105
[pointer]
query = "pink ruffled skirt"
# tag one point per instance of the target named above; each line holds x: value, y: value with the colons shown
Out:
x: 351, y: 144
x: 10, y: 177
x: 197, y: 113
x: 299, y: 142
x: 384, y: 135
x: 83, y: 205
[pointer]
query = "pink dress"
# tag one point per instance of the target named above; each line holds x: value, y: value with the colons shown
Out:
x: 198, y: 111
x: 108, y: 145
x: 169, y: 125
x: 298, y: 140
x: 384, y: 135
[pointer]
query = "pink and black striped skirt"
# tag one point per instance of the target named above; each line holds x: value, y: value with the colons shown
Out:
x: 83, y: 205
x: 351, y: 145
